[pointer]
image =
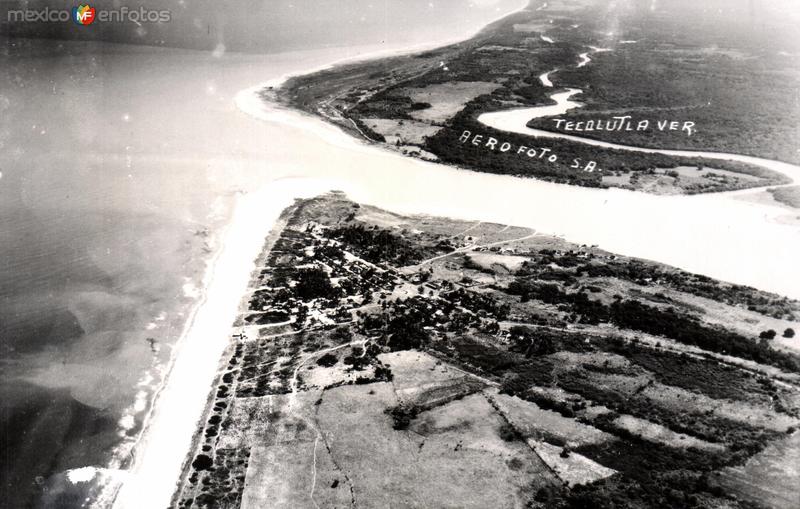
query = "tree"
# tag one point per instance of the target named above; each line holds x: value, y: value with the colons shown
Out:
x: 529, y: 342
x: 313, y: 283
x: 328, y: 360
x: 788, y: 333
x: 768, y: 334
x: 402, y: 415
x: 406, y: 332
x: 202, y: 462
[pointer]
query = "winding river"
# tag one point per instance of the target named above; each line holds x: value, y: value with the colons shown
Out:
x: 286, y: 154
x: 516, y: 120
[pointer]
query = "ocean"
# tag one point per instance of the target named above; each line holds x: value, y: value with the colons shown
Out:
x: 119, y: 167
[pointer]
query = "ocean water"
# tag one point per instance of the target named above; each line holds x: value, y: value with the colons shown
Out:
x: 119, y: 165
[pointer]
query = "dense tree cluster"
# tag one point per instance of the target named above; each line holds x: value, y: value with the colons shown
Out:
x: 314, y: 283
x: 529, y: 342
x: 376, y: 245
x: 632, y: 314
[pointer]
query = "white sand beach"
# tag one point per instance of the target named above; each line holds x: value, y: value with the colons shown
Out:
x: 179, y: 404
x: 302, y: 156
x: 159, y: 455
x: 710, y: 234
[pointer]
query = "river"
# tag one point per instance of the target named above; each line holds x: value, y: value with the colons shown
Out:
x: 173, y: 139
x: 516, y: 120
x: 119, y: 169
x: 716, y: 235
x: 719, y: 235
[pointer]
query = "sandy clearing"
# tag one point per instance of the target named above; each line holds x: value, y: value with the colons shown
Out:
x: 401, y: 131
x: 657, y: 433
x: 574, y: 469
x: 447, y: 99
x: 539, y: 424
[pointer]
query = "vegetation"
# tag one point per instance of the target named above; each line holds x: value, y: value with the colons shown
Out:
x: 402, y: 415
x: 314, y: 283
x: 328, y: 360
x: 727, y: 88
x: 557, y: 333
x: 637, y: 316
x: 376, y: 245
x: 634, y: 315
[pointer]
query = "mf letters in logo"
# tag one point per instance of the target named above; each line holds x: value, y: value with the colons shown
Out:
x: 83, y: 14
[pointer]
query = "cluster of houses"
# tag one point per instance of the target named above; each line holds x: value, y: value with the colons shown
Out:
x: 362, y: 288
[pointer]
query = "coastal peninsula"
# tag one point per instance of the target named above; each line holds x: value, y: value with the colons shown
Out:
x: 650, y: 105
x: 420, y: 361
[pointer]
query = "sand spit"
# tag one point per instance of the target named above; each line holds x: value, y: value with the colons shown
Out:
x: 160, y: 454
x: 165, y: 441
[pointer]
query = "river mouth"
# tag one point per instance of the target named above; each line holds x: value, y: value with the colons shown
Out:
x: 416, y: 187
x: 683, y: 231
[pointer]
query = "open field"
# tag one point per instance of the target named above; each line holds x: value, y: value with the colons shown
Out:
x: 770, y: 477
x: 684, y: 78
x: 483, y: 365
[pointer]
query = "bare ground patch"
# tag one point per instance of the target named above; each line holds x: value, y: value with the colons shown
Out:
x: 447, y: 99
x: 573, y: 468
x: 546, y: 425
x: 771, y: 477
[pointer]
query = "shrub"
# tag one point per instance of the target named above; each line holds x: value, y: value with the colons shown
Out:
x: 202, y: 462
x: 327, y: 360
x: 768, y: 334
x: 402, y: 415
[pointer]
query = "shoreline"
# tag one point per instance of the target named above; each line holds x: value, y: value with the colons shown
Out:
x: 245, y: 94
x: 275, y: 198
x: 166, y: 434
x: 275, y: 230
x: 170, y: 428
x: 121, y: 465
x: 522, y: 200
x: 776, y: 172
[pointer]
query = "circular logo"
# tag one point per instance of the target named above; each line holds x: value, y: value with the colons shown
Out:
x: 83, y: 14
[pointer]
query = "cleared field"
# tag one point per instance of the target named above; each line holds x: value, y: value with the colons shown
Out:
x: 401, y: 131
x: 747, y: 322
x: 315, y: 376
x: 683, y: 400
x: 453, y: 455
x: 447, y: 99
x: 293, y: 475
x: 681, y: 180
x: 545, y: 425
x: 626, y: 386
x: 656, y: 433
x: 598, y: 359
x: 498, y: 262
x: 413, y: 369
x: 423, y: 380
x: 770, y: 478
x: 527, y: 28
x: 573, y: 469
x: 268, y: 419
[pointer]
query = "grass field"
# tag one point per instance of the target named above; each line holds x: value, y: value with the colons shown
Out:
x: 677, y: 62
x: 438, y: 363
